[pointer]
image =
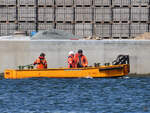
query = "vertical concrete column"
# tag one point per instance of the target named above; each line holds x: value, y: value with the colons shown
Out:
x: 36, y: 14
x: 73, y: 31
x: 130, y: 20
x: 111, y: 4
x: 54, y: 14
x: 93, y: 28
x: 149, y: 17
x: 16, y: 14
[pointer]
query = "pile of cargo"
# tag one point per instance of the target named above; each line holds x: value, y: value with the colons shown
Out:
x: 53, y: 34
x: 145, y: 36
x: 93, y: 38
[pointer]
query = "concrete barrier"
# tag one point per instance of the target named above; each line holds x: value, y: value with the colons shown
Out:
x: 14, y: 53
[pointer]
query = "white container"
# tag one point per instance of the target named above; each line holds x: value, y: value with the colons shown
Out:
x: 135, y: 14
x: 121, y: 14
x: 101, y: 2
x: 41, y: 2
x: 68, y: 27
x: 116, y: 2
x: 144, y: 12
x: 120, y: 30
x: 7, y: 13
x: 143, y: 28
x: 116, y: 30
x: 68, y: 14
x: 60, y: 14
x: 45, y: 14
x: 11, y: 13
x: 45, y: 2
x: 135, y: 29
x: 49, y: 2
x: 139, y: 13
x: 102, y: 14
x: 7, y: 28
x: 41, y: 13
x: 64, y: 2
x: 138, y: 28
x: 135, y: 2
x: 83, y: 30
x: 124, y: 30
x: 83, y: 2
x: 68, y: 2
x: 3, y: 2
x: 125, y: 2
x: 11, y: 2
x: 83, y: 14
x: 3, y: 14
x: 26, y: 13
x: 45, y: 26
x: 121, y: 2
x: 144, y: 2
x: 26, y: 2
x: 64, y: 14
x: 25, y: 26
x: 139, y: 2
x: 60, y: 2
x: 102, y: 30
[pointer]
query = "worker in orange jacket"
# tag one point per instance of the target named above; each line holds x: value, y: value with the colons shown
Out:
x: 80, y: 59
x: 41, y: 62
x: 71, y: 62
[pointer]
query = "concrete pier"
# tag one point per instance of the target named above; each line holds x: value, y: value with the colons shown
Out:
x: 14, y: 53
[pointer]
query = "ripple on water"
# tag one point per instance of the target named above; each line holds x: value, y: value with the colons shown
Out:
x: 80, y: 95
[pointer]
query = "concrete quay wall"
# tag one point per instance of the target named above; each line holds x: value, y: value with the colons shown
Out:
x: 14, y: 53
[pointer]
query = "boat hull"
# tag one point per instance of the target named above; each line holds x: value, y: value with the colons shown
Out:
x: 88, y: 72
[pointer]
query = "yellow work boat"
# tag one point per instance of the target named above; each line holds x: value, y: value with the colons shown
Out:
x: 88, y: 72
x: 115, y: 70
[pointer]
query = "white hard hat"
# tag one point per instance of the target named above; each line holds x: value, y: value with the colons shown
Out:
x: 71, y: 52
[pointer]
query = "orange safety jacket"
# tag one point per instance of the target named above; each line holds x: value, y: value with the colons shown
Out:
x: 71, y: 62
x: 41, y: 63
x: 82, y: 62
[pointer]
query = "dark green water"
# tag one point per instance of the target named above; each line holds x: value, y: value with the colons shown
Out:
x: 100, y: 95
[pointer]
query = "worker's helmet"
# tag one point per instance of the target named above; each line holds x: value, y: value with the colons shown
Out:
x: 71, y: 52
x: 80, y: 51
x: 42, y: 54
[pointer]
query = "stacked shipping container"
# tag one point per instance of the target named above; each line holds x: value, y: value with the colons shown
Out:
x: 105, y: 18
x: 7, y: 13
x: 64, y: 14
x: 103, y: 30
x: 102, y: 14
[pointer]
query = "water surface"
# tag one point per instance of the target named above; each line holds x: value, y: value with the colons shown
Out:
x: 79, y: 95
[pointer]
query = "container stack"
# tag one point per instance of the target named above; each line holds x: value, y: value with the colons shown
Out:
x: 7, y: 16
x: 26, y: 15
x: 83, y: 18
x: 104, y: 18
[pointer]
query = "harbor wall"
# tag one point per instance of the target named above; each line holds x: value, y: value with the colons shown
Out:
x: 14, y: 53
